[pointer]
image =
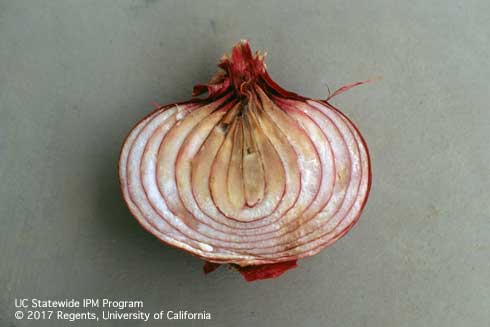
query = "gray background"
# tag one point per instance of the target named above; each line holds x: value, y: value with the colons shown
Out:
x: 75, y: 76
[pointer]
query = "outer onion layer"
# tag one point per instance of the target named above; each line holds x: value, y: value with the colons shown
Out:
x: 251, y: 175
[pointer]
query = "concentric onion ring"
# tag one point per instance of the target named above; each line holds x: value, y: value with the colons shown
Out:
x: 250, y: 175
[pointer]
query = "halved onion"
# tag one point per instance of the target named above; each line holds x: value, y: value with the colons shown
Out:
x: 251, y: 175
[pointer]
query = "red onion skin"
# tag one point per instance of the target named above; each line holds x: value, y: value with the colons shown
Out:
x: 244, y: 70
x: 272, y: 270
x: 210, y: 267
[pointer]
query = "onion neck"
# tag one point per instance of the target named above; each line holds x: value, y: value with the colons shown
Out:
x: 242, y: 71
x: 242, y: 67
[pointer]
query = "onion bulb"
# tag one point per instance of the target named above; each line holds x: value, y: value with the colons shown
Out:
x: 250, y: 175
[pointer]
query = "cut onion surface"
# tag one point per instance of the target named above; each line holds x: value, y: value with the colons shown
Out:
x: 251, y: 175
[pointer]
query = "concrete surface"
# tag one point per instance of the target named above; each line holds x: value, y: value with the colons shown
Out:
x: 75, y: 76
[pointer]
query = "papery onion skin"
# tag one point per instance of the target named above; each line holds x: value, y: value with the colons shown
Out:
x: 251, y: 175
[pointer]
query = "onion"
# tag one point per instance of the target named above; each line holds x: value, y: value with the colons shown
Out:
x: 251, y: 175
